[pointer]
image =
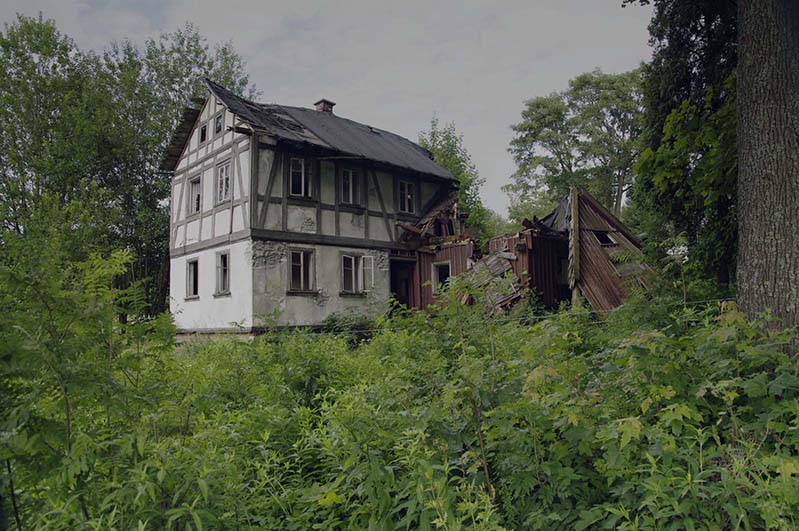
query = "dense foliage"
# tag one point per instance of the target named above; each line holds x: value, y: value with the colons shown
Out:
x: 686, y: 176
x: 87, y: 132
x: 659, y: 415
x: 586, y: 136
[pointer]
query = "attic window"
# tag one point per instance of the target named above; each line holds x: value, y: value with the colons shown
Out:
x: 604, y: 238
x: 203, y: 133
x: 407, y: 197
x: 349, y: 187
x: 219, y: 123
x: 299, y: 183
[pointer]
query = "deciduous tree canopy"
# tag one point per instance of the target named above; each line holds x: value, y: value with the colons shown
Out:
x: 586, y: 136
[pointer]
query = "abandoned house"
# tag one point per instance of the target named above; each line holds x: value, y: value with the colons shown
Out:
x: 285, y: 215
x: 578, y: 250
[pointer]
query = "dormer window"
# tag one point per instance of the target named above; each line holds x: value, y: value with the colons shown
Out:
x: 203, y: 133
x: 604, y: 238
x: 349, y: 187
x: 299, y: 182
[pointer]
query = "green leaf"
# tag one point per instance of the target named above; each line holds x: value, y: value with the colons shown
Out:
x: 629, y: 428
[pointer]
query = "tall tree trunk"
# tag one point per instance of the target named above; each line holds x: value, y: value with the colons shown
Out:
x: 768, y: 157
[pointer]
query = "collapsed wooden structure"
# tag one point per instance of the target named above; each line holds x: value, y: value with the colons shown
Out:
x: 578, y: 250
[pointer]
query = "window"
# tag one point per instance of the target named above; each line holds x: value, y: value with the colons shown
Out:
x: 219, y: 123
x: 223, y: 273
x: 299, y: 183
x: 223, y: 182
x: 440, y: 274
x: 203, y: 133
x: 192, y: 279
x: 357, y: 273
x: 407, y: 197
x: 349, y: 187
x: 195, y: 196
x: 604, y: 238
x: 301, y: 270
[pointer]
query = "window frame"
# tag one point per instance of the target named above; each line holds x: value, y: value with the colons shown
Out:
x: 308, y: 256
x: 192, y: 286
x: 219, y: 116
x: 305, y: 183
x: 198, y: 179
x: 218, y: 173
x: 361, y: 281
x: 406, y: 204
x: 352, y: 195
x: 222, y: 274
x: 437, y: 283
x: 612, y: 241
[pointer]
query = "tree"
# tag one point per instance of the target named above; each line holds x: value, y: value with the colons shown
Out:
x: 585, y: 136
x: 446, y: 145
x: 768, y: 154
x: 88, y: 131
x: 686, y: 175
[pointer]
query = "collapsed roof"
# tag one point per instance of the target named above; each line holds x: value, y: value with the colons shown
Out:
x: 604, y: 256
x: 312, y: 128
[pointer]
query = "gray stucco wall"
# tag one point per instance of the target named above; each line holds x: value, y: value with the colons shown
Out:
x: 270, y: 262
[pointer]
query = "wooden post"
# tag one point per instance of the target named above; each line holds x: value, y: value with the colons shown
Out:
x: 574, y: 245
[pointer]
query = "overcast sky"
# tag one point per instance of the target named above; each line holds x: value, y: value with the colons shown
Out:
x: 392, y: 64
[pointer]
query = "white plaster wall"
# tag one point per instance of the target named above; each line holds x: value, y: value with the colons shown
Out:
x: 428, y: 190
x: 202, y: 160
x: 387, y: 189
x: 300, y: 218
x: 329, y: 222
x: 351, y: 225
x: 377, y: 229
x: 209, y: 311
x: 327, y: 182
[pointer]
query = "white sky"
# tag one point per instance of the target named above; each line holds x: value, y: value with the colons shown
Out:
x: 392, y: 64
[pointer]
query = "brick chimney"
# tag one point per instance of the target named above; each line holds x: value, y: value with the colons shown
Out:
x: 324, y: 105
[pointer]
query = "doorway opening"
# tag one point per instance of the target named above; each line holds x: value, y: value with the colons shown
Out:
x: 403, y: 273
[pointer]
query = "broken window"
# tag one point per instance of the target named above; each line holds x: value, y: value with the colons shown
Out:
x: 299, y: 185
x: 407, y: 197
x: 357, y: 273
x: 349, y: 187
x: 301, y: 270
x: 603, y: 237
x: 192, y: 278
x: 195, y: 196
x: 441, y: 273
x: 223, y: 182
x: 223, y: 273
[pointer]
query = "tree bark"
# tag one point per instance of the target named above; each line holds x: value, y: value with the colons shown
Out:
x: 768, y: 158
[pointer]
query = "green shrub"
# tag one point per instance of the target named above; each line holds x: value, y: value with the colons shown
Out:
x: 657, y: 416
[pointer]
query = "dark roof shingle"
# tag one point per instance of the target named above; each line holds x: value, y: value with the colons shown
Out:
x: 326, y: 130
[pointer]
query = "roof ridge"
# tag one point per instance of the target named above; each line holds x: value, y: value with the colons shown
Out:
x: 338, y: 133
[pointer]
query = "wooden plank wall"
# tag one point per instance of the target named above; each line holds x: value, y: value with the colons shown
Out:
x: 458, y: 256
x: 544, y: 257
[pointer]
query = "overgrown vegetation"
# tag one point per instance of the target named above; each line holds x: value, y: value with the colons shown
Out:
x: 660, y: 415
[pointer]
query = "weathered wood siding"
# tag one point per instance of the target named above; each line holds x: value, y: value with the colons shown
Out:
x: 458, y: 256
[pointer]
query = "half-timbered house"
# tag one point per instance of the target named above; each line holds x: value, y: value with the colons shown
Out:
x: 285, y: 215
